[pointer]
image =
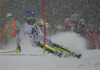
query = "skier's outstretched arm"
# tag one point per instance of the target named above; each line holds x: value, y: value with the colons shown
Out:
x: 20, y: 35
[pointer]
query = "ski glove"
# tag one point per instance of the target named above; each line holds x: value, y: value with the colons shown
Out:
x: 18, y: 49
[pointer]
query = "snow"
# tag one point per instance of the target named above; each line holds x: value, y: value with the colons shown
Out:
x: 90, y: 59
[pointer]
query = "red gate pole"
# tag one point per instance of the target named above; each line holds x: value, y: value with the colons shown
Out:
x: 44, y: 26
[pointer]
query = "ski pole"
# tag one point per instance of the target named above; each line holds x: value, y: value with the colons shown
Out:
x: 7, y: 52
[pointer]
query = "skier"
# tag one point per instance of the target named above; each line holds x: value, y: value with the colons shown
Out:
x: 32, y: 29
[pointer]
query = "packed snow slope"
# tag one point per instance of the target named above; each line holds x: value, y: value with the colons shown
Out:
x: 90, y: 59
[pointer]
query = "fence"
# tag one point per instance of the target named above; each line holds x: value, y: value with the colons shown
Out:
x: 1, y: 36
x: 93, y: 40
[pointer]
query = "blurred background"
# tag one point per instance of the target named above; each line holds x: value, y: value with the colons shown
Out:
x: 56, y: 10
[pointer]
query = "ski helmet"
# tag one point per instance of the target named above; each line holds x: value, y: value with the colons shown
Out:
x: 82, y: 21
x: 30, y: 15
x: 75, y: 17
x: 9, y: 15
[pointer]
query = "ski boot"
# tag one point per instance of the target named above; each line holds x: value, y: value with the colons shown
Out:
x: 78, y: 55
x: 59, y: 54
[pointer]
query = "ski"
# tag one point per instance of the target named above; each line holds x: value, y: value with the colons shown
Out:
x: 59, y: 51
x: 66, y: 52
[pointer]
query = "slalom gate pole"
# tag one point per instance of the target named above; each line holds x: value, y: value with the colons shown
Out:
x: 44, y: 26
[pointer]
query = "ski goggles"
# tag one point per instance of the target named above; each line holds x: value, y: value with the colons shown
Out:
x: 29, y: 18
